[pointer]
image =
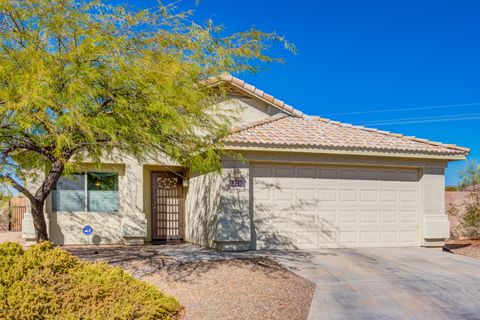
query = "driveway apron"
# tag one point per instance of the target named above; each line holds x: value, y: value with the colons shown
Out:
x: 388, y: 283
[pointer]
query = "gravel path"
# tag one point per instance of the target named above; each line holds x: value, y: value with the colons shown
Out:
x: 469, y: 248
x: 213, y: 285
x: 12, y: 237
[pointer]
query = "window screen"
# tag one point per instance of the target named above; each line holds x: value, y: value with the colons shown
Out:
x: 69, y: 193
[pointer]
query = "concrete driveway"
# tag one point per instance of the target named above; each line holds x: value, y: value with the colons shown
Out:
x: 388, y: 283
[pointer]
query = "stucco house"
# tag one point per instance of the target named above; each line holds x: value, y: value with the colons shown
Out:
x: 305, y: 182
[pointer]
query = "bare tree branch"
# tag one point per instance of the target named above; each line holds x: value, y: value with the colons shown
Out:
x: 18, y: 187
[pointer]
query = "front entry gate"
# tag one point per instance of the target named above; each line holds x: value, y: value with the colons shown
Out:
x: 167, y: 207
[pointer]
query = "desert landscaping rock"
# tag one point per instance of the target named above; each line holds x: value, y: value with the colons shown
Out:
x: 469, y: 248
x: 214, y: 286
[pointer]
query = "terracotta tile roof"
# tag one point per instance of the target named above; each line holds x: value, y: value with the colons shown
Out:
x: 315, y: 132
x: 251, y: 90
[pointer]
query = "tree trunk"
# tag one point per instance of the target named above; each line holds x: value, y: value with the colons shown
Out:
x: 39, y: 221
x: 39, y: 200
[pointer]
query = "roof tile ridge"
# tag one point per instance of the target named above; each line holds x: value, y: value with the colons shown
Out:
x: 258, y: 123
x: 396, y: 135
x: 261, y: 94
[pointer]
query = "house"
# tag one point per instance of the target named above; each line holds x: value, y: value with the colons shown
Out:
x: 304, y: 182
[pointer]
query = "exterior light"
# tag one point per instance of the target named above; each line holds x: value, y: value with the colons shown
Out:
x: 237, y: 173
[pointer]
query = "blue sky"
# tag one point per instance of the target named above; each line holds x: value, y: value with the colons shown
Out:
x: 371, y: 56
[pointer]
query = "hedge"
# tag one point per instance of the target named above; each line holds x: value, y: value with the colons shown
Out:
x: 44, y: 282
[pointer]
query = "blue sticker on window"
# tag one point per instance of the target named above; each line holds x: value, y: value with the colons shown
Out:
x: 87, y: 230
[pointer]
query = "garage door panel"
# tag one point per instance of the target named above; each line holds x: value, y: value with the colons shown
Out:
x: 407, y: 196
x: 388, y: 237
x: 407, y: 216
x: 348, y: 237
x: 283, y: 194
x: 308, y: 207
x: 369, y: 216
x: 348, y: 216
x: 305, y: 216
x: 327, y: 237
x: 305, y: 194
x: 388, y: 195
x: 275, y: 240
x: 348, y: 195
x: 407, y: 236
x: 369, y: 237
x: 327, y: 195
x: 369, y: 195
x: 306, y: 239
x: 388, y: 217
x: 327, y: 216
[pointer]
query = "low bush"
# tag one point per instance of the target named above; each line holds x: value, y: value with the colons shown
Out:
x: 48, y: 283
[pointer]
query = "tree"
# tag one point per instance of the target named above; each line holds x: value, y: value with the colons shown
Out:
x: 468, y: 212
x: 471, y: 177
x: 82, y: 80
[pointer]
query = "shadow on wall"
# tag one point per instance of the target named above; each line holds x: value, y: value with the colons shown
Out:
x: 212, y: 216
x: 203, y: 207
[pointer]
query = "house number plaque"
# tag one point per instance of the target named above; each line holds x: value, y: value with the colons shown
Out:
x: 235, y: 180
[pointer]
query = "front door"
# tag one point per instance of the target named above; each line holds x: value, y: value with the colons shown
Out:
x: 167, y: 206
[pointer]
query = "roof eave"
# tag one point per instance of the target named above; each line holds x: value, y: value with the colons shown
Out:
x: 353, y: 152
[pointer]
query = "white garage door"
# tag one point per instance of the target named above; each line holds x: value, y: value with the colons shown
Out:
x: 319, y: 207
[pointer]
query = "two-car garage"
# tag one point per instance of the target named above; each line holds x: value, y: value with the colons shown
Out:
x: 304, y: 206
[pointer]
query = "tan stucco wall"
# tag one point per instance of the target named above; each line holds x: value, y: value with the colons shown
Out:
x: 66, y: 227
x: 248, y: 109
x: 201, y: 209
x: 127, y: 225
x: 218, y: 216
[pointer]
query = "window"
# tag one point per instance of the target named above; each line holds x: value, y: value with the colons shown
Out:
x: 91, y: 191
x: 102, y: 191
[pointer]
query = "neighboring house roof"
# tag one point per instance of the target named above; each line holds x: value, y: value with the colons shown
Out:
x: 315, y: 132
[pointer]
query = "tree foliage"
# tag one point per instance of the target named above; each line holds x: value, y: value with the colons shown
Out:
x: 468, y: 212
x: 84, y: 80
x: 470, y: 177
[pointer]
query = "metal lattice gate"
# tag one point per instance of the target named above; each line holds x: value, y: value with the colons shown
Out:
x: 167, y: 206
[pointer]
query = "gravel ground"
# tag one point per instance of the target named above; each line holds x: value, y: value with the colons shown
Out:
x: 12, y: 237
x: 469, y: 248
x: 214, y: 285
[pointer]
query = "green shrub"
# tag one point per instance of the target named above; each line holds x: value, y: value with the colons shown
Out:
x: 48, y: 283
x: 451, y: 188
x: 471, y: 218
